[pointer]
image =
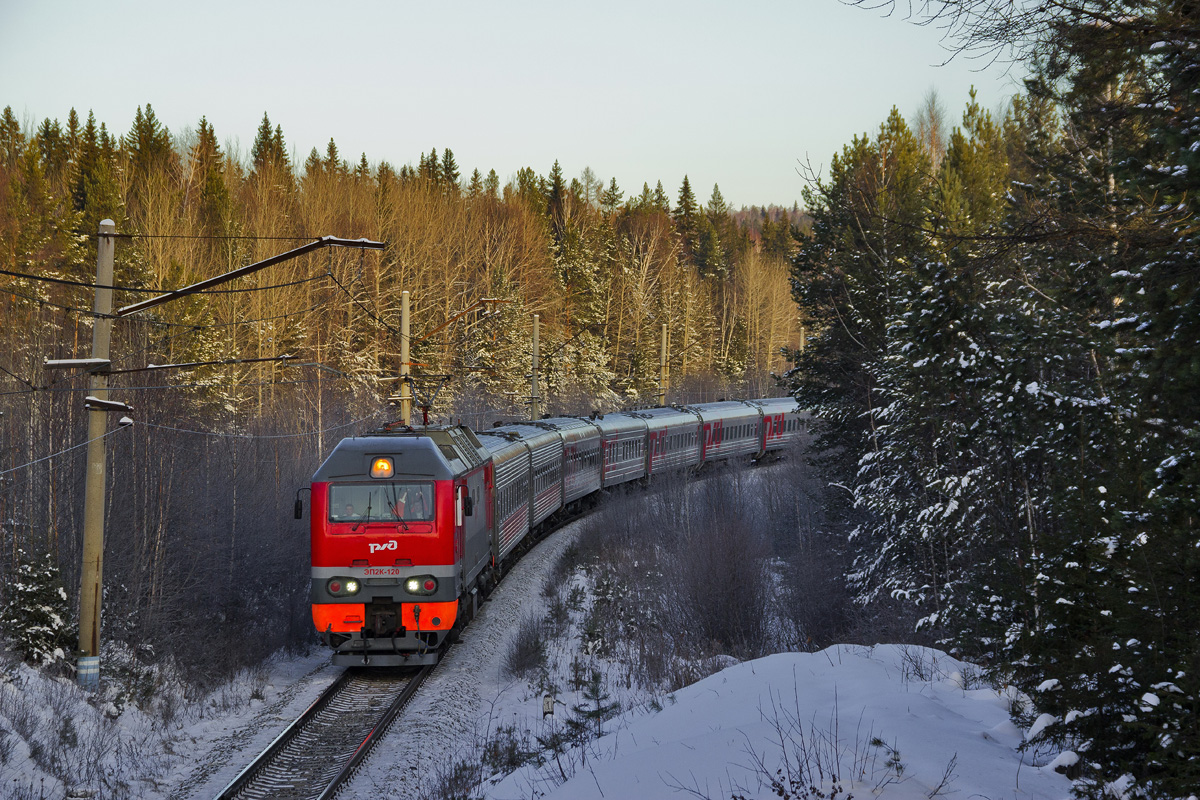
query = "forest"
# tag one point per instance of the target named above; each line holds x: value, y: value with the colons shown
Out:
x: 1007, y: 366
x: 994, y: 317
x: 204, y: 566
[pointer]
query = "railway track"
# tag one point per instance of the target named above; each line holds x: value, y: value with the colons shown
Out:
x: 320, y: 751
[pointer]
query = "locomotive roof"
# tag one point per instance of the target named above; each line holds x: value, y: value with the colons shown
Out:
x: 439, y: 453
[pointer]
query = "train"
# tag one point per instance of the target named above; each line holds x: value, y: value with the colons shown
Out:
x: 411, y: 527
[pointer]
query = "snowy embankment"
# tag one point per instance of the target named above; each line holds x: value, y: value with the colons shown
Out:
x: 892, y: 721
x: 886, y: 721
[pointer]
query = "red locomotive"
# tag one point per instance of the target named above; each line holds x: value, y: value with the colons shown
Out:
x: 409, y: 526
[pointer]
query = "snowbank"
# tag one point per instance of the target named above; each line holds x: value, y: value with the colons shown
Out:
x: 888, y: 721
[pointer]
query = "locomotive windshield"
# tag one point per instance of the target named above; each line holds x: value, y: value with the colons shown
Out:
x: 381, y: 502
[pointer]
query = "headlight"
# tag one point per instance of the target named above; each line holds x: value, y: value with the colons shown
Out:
x: 342, y: 587
x: 421, y: 584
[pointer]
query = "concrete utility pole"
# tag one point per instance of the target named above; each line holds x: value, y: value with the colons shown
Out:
x: 94, y: 481
x: 406, y: 395
x: 535, y: 406
x: 663, y: 369
x: 98, y: 405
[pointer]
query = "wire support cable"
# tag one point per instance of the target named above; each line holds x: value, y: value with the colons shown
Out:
x: 69, y: 449
x: 257, y: 436
x: 209, y: 237
x: 365, y: 310
x: 212, y: 385
x: 116, y: 288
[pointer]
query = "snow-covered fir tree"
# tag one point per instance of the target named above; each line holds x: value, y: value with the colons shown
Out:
x: 37, y: 620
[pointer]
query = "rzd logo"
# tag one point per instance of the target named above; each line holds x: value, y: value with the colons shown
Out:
x: 386, y: 546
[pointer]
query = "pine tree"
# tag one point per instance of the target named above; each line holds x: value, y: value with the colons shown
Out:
x: 55, y: 150
x: 429, y: 168
x: 96, y: 193
x: 709, y: 253
x: 37, y: 618
x: 73, y: 132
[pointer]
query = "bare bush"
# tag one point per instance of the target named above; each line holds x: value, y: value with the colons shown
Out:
x: 527, y: 653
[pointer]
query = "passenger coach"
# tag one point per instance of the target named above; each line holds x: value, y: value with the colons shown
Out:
x: 409, y: 527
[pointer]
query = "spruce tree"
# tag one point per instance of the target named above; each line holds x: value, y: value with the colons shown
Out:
x: 491, y: 185
x: 333, y: 163
x: 588, y: 716
x: 268, y: 154
x: 208, y: 162
x: 610, y: 200
x: 449, y: 171
x: 36, y: 619
x: 685, y: 216
x: 149, y: 145
x: 313, y: 166
x: 661, y: 202
x: 12, y: 140
x: 556, y: 202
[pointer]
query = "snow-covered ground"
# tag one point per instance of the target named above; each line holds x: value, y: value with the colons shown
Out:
x: 886, y: 721
x: 893, y: 721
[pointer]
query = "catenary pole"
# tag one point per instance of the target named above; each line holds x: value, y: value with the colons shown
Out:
x: 98, y: 404
x: 663, y: 374
x: 406, y: 394
x: 535, y: 405
x: 94, y: 480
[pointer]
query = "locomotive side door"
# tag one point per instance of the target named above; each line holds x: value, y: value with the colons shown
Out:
x: 473, y: 511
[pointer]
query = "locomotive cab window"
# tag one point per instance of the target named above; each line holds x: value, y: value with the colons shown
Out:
x: 381, y: 502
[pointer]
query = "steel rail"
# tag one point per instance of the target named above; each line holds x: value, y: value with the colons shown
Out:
x: 247, y: 775
x: 260, y: 769
x: 375, y: 734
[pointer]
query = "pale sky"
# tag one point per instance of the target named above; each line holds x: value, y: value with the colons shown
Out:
x: 727, y: 93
